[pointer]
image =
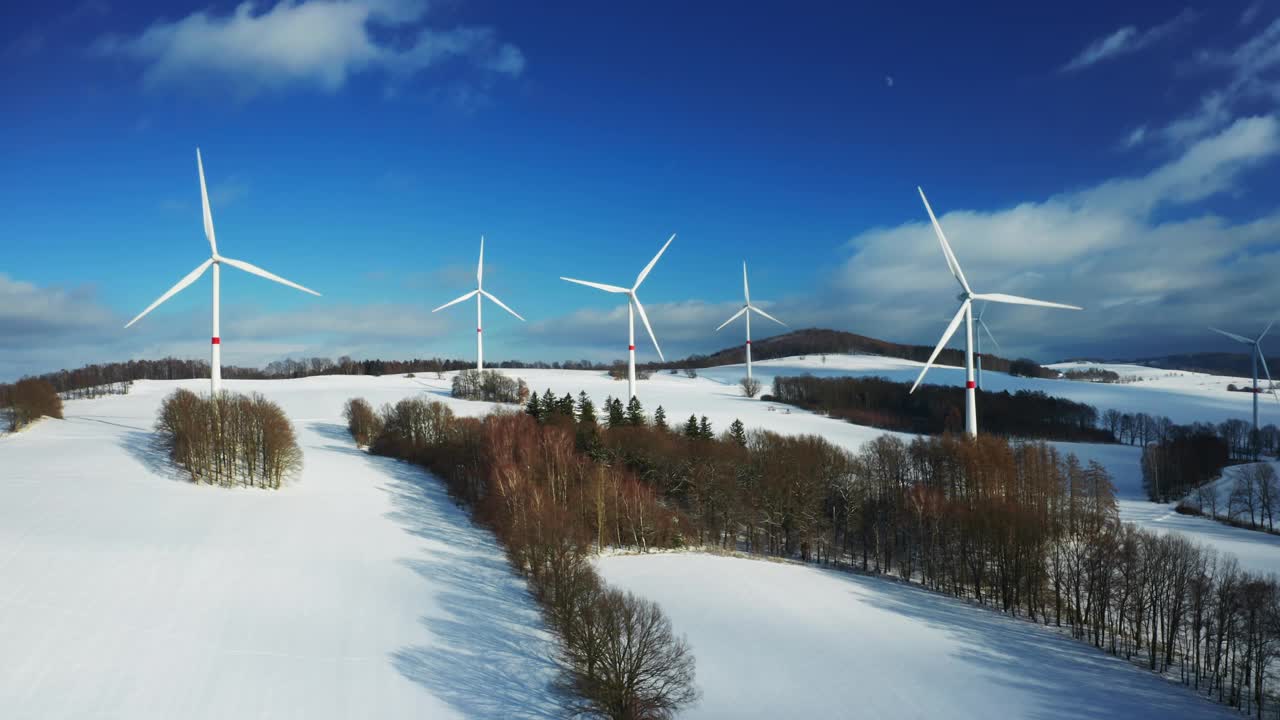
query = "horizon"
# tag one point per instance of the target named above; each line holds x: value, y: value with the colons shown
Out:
x: 367, y: 160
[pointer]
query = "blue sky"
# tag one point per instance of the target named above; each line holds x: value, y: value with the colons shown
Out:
x: 1121, y: 158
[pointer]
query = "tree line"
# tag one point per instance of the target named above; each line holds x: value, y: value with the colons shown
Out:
x: 1017, y: 526
x: 547, y: 504
x: 934, y: 409
x: 229, y: 440
x: 28, y: 400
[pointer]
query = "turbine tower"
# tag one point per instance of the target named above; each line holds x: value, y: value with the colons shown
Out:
x: 965, y: 312
x: 216, y: 261
x: 747, y: 308
x: 480, y: 294
x: 1255, y: 354
x: 633, y: 306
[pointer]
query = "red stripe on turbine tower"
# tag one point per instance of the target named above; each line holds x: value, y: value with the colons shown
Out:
x: 631, y: 347
x: 748, y: 342
x: 217, y: 341
x: 479, y: 330
x: 971, y: 385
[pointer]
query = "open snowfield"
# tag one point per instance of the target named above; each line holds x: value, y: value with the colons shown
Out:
x: 778, y: 640
x: 361, y: 591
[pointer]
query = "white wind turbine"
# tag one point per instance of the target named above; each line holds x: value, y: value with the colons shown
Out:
x: 747, y: 307
x: 479, y: 294
x: 633, y: 306
x: 1254, y: 355
x: 966, y: 297
x: 215, y: 260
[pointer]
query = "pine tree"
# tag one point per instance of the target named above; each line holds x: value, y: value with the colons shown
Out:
x: 586, y: 409
x: 617, y: 417
x: 660, y: 418
x: 738, y: 432
x: 704, y: 429
x: 534, y: 407
x: 565, y: 405
x: 635, y: 413
x: 691, y: 427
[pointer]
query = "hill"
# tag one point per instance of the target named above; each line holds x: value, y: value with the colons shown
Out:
x: 819, y: 341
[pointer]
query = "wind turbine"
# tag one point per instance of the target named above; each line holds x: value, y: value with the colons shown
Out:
x: 480, y: 293
x: 746, y: 308
x: 1254, y: 355
x: 633, y: 306
x: 215, y: 260
x: 978, y: 340
x: 966, y: 298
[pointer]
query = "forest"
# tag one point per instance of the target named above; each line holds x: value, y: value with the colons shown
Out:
x: 1017, y: 526
x: 933, y: 409
x: 28, y: 400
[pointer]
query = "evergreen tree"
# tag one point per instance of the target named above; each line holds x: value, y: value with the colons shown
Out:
x: 586, y: 409
x: 565, y: 405
x: 738, y: 433
x: 704, y: 429
x: 635, y: 413
x: 617, y: 417
x: 660, y: 418
x: 534, y: 407
x: 691, y: 427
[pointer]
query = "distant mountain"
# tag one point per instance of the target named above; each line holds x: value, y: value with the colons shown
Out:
x: 1212, y: 363
x: 817, y: 341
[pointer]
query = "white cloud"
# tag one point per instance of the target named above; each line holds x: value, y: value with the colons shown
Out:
x: 1136, y: 137
x: 1126, y: 40
x: 316, y: 43
x: 1253, y: 77
x: 1142, y: 277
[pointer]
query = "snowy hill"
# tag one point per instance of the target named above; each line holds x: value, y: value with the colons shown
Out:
x: 361, y: 590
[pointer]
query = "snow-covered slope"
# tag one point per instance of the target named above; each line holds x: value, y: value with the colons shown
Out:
x: 776, y: 640
x: 360, y: 591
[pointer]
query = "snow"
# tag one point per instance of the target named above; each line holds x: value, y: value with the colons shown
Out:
x: 776, y: 640
x: 358, y: 591
x: 361, y: 590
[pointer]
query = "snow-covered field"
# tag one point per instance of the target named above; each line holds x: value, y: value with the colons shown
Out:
x: 361, y: 591
x: 778, y: 640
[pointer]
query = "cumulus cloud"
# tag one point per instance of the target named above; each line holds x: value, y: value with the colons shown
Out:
x: 1147, y: 267
x: 1125, y: 41
x: 317, y: 43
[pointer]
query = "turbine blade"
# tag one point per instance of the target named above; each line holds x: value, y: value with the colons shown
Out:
x: 1233, y: 336
x: 598, y: 286
x: 255, y: 270
x: 480, y: 266
x: 499, y: 303
x: 951, y: 330
x: 984, y: 327
x: 946, y: 247
x: 735, y: 317
x: 765, y: 314
x: 1270, y: 385
x: 190, y: 278
x: 645, y: 272
x: 468, y: 296
x: 1267, y: 330
x: 645, y: 319
x: 204, y: 201
x: 746, y: 291
x: 1019, y: 300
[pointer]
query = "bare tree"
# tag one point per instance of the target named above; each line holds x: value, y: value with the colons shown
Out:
x: 750, y: 386
x: 626, y: 663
